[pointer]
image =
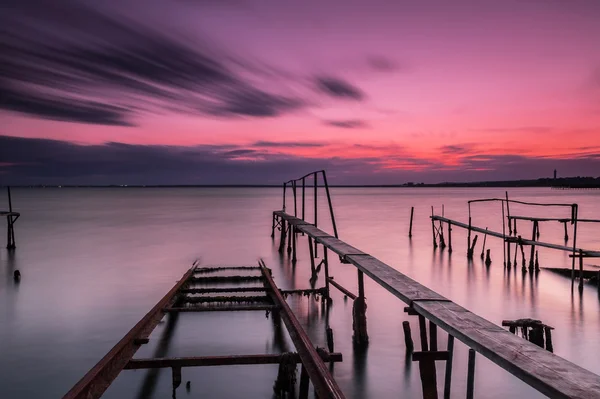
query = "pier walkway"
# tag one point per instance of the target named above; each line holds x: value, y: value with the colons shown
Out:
x: 544, y: 371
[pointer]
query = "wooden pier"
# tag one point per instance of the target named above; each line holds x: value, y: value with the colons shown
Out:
x: 11, y: 218
x: 180, y: 299
x: 542, y: 370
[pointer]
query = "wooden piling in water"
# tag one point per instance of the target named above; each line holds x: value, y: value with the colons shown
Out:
x: 566, y: 233
x: 548, y: 333
x: 488, y: 259
x: 471, y: 374
x: 580, y: 270
x: 432, y: 336
x: 533, y: 237
x: 326, y: 262
x: 359, y: 314
x: 423, y: 333
x: 282, y: 238
x: 412, y: 211
x: 484, y: 240
x: 433, y: 229
x: 449, y: 237
x: 472, y: 249
x: 448, y: 374
x: 408, y: 341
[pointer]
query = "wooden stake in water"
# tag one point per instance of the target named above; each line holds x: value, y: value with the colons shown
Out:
x: 412, y: 211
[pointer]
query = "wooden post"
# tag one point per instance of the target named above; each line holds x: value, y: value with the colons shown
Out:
x: 273, y: 227
x: 508, y: 215
x: 472, y: 249
x: 574, y: 223
x: 408, y: 337
x: 312, y: 258
x: 533, y: 238
x: 484, y: 240
x: 359, y: 309
x: 488, y: 259
x: 290, y: 238
x: 303, y: 197
x: 566, y: 233
x: 433, y: 229
x: 10, y: 229
x: 580, y: 270
x: 548, y: 333
x: 326, y: 261
x: 428, y: 378
x: 515, y: 227
x: 294, y: 238
x: 432, y: 336
x: 469, y: 237
x: 448, y: 377
x: 303, y: 390
x: 449, y: 237
x: 330, y: 344
x: 471, y: 374
x: 412, y: 210
x: 282, y: 239
x: 423, y: 333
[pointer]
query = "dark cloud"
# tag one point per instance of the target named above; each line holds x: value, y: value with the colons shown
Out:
x: 336, y: 87
x: 81, y: 59
x: 456, y: 149
x: 382, y: 64
x: 347, y: 124
x: 59, y: 109
x: 288, y: 144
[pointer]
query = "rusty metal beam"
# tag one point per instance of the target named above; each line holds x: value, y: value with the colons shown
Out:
x: 98, y: 379
x: 320, y: 376
x: 202, y: 361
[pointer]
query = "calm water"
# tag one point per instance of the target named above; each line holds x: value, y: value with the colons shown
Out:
x: 94, y: 261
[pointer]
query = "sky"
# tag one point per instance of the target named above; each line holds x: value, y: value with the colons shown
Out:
x: 257, y: 92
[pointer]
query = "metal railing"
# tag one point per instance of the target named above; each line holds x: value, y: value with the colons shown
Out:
x: 293, y: 183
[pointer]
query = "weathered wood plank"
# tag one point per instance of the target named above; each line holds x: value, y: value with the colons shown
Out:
x: 233, y: 360
x: 228, y: 308
x: 290, y: 219
x: 546, y: 372
x: 400, y: 285
x: 338, y: 246
x: 312, y: 231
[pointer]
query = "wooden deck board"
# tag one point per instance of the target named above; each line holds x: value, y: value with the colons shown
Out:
x: 312, y: 231
x: 548, y: 373
x: 290, y: 219
x: 339, y: 246
x: 400, y: 285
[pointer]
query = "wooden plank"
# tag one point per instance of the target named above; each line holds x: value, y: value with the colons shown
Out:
x: 401, y: 286
x: 338, y: 246
x: 290, y: 219
x: 208, y: 361
x: 312, y: 231
x: 97, y: 380
x: 544, y: 371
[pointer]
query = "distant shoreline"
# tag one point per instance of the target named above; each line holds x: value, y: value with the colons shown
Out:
x: 559, y: 183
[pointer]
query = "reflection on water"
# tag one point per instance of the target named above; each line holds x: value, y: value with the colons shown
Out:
x: 94, y: 261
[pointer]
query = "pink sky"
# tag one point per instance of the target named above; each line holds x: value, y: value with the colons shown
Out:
x: 433, y: 80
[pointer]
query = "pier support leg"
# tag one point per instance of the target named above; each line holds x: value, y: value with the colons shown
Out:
x: 290, y: 232
x: 423, y: 334
x: 294, y: 239
x: 313, y: 271
x: 428, y: 378
x: 471, y: 374
x: 273, y: 227
x: 449, y: 238
x: 326, y: 264
x: 566, y: 233
x: 433, y: 230
x: 488, y: 259
x: 408, y: 337
x: 580, y: 270
x: 432, y: 336
x: 304, y: 381
x: 548, y: 333
x: 448, y: 376
x: 507, y: 243
x: 359, y: 314
x: 282, y: 239
x: 533, y: 238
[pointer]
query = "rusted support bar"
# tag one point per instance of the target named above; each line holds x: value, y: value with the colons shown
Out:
x: 448, y: 374
x: 471, y: 374
x: 97, y: 380
x: 229, y: 308
x: 209, y: 361
x: 223, y: 279
x: 342, y: 289
x: 412, y: 211
x: 322, y: 380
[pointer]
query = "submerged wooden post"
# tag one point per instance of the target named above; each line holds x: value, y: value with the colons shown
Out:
x: 412, y: 211
x: 548, y: 333
x: 312, y: 258
x: 428, y: 378
x: 484, y: 240
x: 469, y: 236
x: 273, y: 227
x: 449, y: 237
x: 471, y: 374
x: 580, y: 270
x: 433, y: 229
x: 10, y: 227
x: 282, y: 239
x: 359, y: 309
x: 290, y: 238
x: 316, y: 210
x: 408, y: 337
x: 566, y: 233
x: 533, y: 238
x: 574, y: 223
x: 448, y: 376
x: 294, y: 238
x: 488, y: 259
x: 326, y: 262
x: 472, y: 249
x: 304, y: 381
